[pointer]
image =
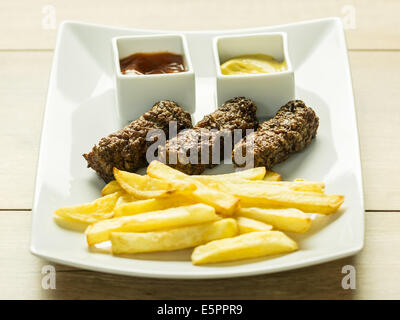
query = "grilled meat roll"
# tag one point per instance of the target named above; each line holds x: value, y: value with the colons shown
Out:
x: 126, y: 148
x: 291, y: 130
x: 192, y: 150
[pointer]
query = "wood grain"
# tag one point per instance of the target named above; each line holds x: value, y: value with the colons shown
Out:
x: 22, y: 97
x: 376, y: 269
x: 23, y: 87
x: 23, y: 23
x: 376, y: 87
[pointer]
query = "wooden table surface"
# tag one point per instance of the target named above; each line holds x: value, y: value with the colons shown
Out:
x: 27, y: 38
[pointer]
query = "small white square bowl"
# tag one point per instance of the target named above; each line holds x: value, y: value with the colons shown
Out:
x: 269, y: 91
x: 137, y: 93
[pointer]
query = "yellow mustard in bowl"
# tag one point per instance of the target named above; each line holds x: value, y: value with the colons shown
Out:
x: 252, y: 64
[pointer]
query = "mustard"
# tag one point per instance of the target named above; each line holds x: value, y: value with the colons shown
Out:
x: 252, y: 64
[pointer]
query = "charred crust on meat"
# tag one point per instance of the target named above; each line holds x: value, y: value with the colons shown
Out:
x: 236, y: 113
x: 290, y: 130
x: 126, y: 148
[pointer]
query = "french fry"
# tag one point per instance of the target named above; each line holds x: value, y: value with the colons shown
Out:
x: 124, y: 199
x: 291, y: 220
x: 141, y: 206
x: 222, y: 202
x: 272, y: 176
x: 111, y: 187
x: 250, y: 174
x: 245, y: 246
x: 249, y: 225
x: 297, y: 185
x: 159, y: 170
x: 70, y: 224
x: 252, y: 195
x: 88, y: 217
x: 150, y: 221
x: 172, y: 239
x: 145, y: 187
x: 100, y: 209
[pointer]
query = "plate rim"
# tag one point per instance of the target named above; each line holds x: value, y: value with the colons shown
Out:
x: 192, y: 275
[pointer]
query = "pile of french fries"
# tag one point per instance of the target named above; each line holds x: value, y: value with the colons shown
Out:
x: 227, y: 217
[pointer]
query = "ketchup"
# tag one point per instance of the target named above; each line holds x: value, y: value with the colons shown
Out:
x: 152, y: 63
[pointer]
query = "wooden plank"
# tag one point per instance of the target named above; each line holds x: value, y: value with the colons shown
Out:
x: 25, y: 24
x: 23, y: 87
x: 22, y: 97
x: 376, y: 87
x: 376, y: 273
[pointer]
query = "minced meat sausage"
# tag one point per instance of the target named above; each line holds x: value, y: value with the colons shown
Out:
x: 291, y: 130
x: 237, y: 113
x: 126, y: 148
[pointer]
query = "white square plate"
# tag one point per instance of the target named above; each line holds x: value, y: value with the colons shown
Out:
x: 81, y: 109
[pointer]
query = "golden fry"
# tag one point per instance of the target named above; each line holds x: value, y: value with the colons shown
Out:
x: 253, y: 195
x: 125, y: 198
x: 222, y: 202
x: 297, y: 185
x: 145, y: 187
x: 245, y: 246
x: 269, y: 186
x: 272, y: 176
x: 111, y: 187
x: 148, y: 205
x: 250, y: 225
x: 70, y: 224
x: 151, y: 221
x: 100, y: 209
x: 291, y: 220
x: 250, y: 174
x: 172, y: 239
